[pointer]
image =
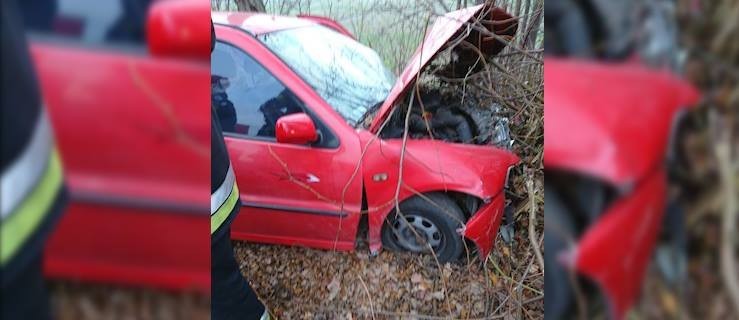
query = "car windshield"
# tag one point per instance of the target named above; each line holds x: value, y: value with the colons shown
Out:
x: 348, y: 75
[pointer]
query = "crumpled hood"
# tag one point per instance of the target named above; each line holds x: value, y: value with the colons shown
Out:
x: 611, y: 121
x: 446, y: 27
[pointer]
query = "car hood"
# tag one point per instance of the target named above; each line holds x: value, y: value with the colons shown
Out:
x: 449, y: 26
x: 611, y: 121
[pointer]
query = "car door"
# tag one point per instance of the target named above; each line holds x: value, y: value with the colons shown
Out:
x: 132, y: 132
x: 291, y: 194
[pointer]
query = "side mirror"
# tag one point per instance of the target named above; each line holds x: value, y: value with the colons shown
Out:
x: 296, y: 128
x: 179, y: 29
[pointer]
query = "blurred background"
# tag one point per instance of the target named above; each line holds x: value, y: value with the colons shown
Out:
x: 131, y: 124
x: 708, y: 177
x: 690, y: 39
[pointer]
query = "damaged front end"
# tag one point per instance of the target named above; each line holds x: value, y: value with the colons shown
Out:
x: 434, y: 83
x: 482, y: 227
x: 459, y: 142
x: 451, y: 118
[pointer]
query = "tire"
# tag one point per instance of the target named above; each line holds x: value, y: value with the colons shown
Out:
x: 436, y: 222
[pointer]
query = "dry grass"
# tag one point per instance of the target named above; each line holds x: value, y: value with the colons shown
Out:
x: 710, y: 171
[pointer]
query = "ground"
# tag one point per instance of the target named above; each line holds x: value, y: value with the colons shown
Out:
x: 300, y: 283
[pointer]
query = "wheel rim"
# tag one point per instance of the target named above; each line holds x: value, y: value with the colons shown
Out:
x: 427, y: 231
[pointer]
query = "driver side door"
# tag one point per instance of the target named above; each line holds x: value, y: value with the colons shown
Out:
x: 291, y: 194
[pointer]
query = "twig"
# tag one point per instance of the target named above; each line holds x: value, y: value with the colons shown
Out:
x: 369, y: 297
x: 729, y: 268
x: 532, y: 222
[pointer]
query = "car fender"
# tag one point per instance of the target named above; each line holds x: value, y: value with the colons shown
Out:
x: 428, y: 166
x: 611, y: 121
x: 615, y: 251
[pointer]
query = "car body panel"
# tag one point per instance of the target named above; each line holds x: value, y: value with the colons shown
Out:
x: 615, y: 251
x: 121, y: 244
x: 437, y: 37
x: 258, y: 23
x: 328, y: 22
x: 611, y: 121
x: 125, y: 194
x: 174, y: 29
x: 614, y: 122
x: 429, y: 166
x: 482, y: 227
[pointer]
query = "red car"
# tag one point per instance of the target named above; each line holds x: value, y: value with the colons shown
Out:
x: 303, y: 107
x: 136, y: 163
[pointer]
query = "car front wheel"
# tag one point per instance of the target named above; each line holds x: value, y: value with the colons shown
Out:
x: 424, y: 225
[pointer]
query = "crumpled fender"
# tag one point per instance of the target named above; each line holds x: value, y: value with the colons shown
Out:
x: 482, y: 227
x: 428, y: 166
x: 615, y: 251
x: 611, y: 121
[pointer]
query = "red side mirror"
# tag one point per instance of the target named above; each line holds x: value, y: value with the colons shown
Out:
x: 296, y: 128
x: 179, y: 29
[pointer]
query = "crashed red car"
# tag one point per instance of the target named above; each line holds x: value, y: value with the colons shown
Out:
x: 308, y: 112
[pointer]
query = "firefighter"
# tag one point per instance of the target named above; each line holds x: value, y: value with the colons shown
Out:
x: 231, y: 295
x: 32, y: 193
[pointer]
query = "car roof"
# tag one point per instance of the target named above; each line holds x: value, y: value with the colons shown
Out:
x: 258, y: 23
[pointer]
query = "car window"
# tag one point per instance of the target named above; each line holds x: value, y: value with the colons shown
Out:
x: 247, y: 98
x: 349, y: 76
x: 92, y: 22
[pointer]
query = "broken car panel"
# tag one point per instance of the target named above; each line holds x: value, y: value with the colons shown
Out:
x: 607, y: 133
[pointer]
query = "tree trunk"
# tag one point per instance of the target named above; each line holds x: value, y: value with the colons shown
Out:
x: 533, y: 27
x: 250, y: 5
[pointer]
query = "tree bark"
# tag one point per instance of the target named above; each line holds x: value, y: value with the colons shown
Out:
x: 250, y: 5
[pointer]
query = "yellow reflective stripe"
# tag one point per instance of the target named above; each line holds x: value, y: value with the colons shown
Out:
x: 222, y: 213
x: 21, y: 176
x: 29, y: 214
x: 218, y: 197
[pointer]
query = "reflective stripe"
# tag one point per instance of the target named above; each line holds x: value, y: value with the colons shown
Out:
x: 265, y: 315
x: 217, y: 218
x: 223, y: 191
x: 19, y: 226
x: 223, y: 200
x: 22, y: 176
